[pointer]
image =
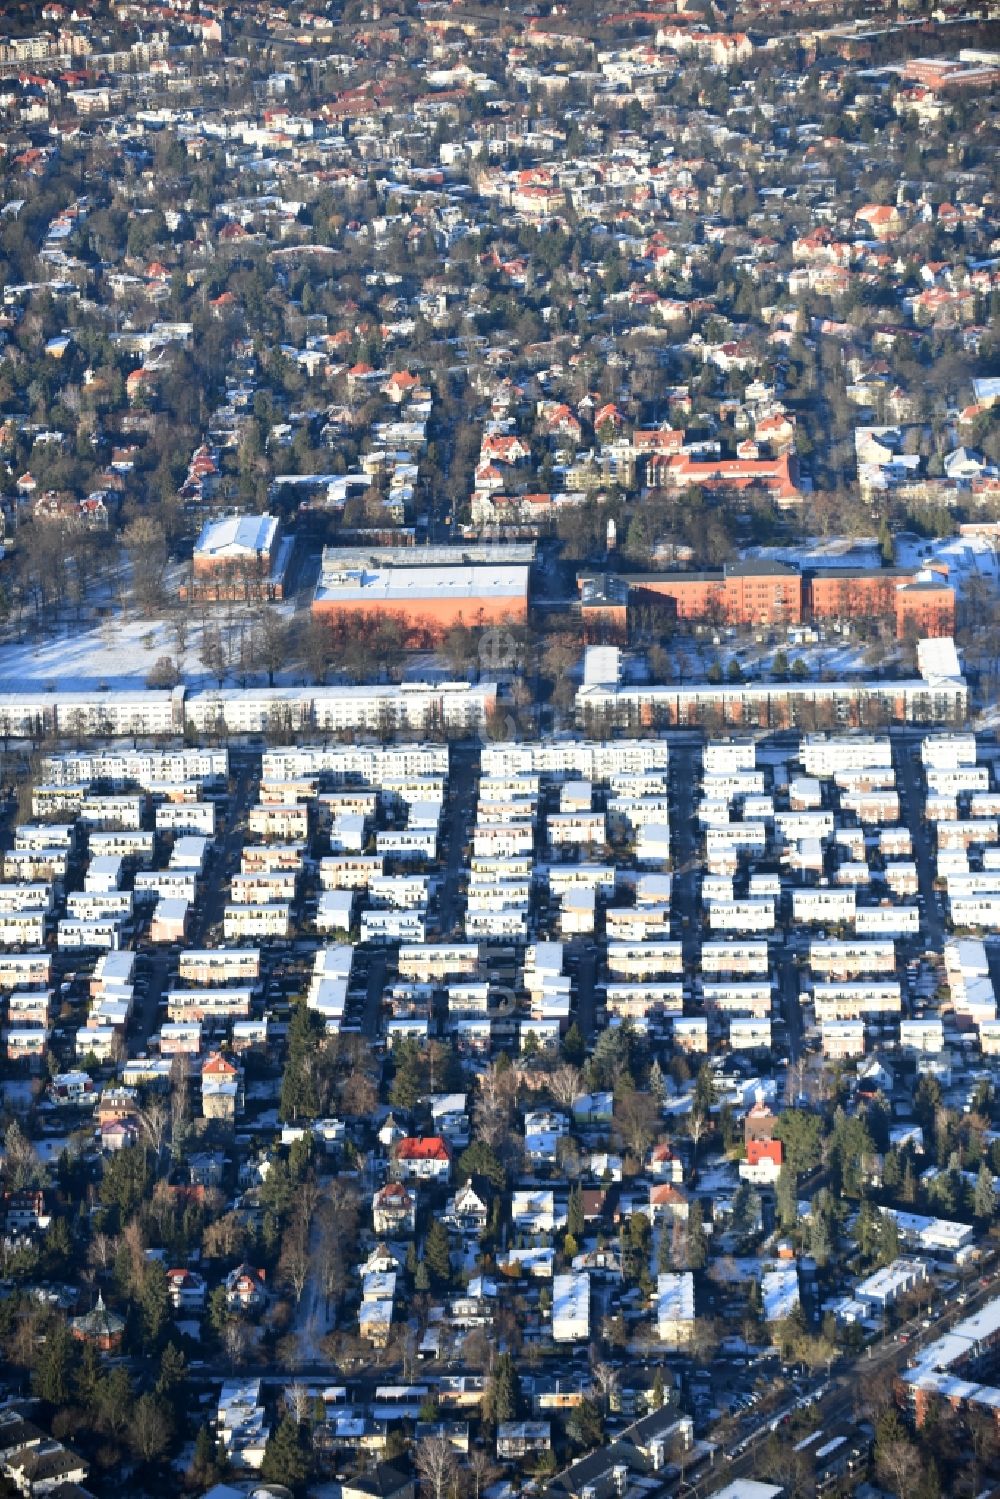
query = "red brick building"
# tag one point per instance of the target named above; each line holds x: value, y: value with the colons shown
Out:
x: 854, y: 593
x: 925, y: 608
x: 747, y: 593
x: 772, y: 593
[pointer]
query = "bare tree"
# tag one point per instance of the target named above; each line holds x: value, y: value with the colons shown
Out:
x: 436, y: 1464
x: 497, y: 1094
x: 899, y: 1465
x: 293, y: 1265
x: 482, y: 1470
x: 149, y: 1429
x: 154, y: 1120
x: 236, y: 1340
x: 606, y: 1379
x: 299, y: 1401
x: 179, y: 1102
x: 101, y: 1252
x: 566, y: 1084
x: 20, y: 1164
x: 636, y: 1118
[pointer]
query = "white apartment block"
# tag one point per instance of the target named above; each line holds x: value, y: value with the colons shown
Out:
x: 925, y: 1036
x: 427, y: 962
x: 260, y: 919
x: 577, y: 758
x: 22, y: 928
x: 980, y: 911
x: 186, y: 817
x: 823, y: 756
x: 741, y: 916
x: 350, y: 871
x: 571, y: 828
x: 641, y: 1001
x: 174, y: 884
x: 102, y: 932
x: 25, y: 970
x: 644, y: 960
x: 848, y: 959
x: 893, y: 920
x: 721, y: 756
x: 368, y: 764
x: 823, y: 905
x: 849, y: 1001
x: 954, y: 780
x: 738, y: 998
x: 112, y: 811
x: 219, y: 965
x: 749, y: 1034
x: 946, y: 751
x: 675, y: 1308
x: 843, y: 1039
x: 733, y: 958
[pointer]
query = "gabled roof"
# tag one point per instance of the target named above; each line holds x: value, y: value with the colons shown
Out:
x: 427, y: 1148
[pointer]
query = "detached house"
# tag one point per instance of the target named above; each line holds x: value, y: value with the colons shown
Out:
x: 221, y: 1088
x: 468, y: 1211
x: 425, y: 1158
x: 394, y: 1209
x: 245, y: 1289
x: 668, y: 1202
x: 187, y: 1290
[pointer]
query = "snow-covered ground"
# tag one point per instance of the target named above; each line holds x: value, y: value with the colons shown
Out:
x: 824, y: 552
x: 119, y: 652
x: 966, y: 557
x: 116, y: 653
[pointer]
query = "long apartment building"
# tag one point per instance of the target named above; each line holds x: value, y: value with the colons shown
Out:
x: 455, y: 707
x: 772, y: 593
x: 939, y: 694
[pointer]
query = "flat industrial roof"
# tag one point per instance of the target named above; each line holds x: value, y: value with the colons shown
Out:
x: 423, y: 583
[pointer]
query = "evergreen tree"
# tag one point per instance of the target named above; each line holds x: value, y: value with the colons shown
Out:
x: 480, y: 1159
x: 786, y: 1201
x: 574, y: 1214
x: 984, y: 1203
x: 286, y: 1457
x: 801, y: 1134
x: 866, y: 1229
x: 704, y: 1091
x: 300, y: 1098
x: 51, y: 1376
x: 154, y: 1298
x: 127, y: 1180
x: 887, y: 1247
x: 503, y: 1395
x: 585, y: 1426
x: 173, y: 1371
x: 204, y: 1462
x: 659, y: 1394
x: 697, y: 1243
x: 573, y: 1046
x: 407, y: 1085
x: 437, y: 1253
x: 820, y: 1242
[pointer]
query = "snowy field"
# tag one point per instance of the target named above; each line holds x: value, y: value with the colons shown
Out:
x: 119, y: 652
x: 966, y: 557
x: 824, y: 552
